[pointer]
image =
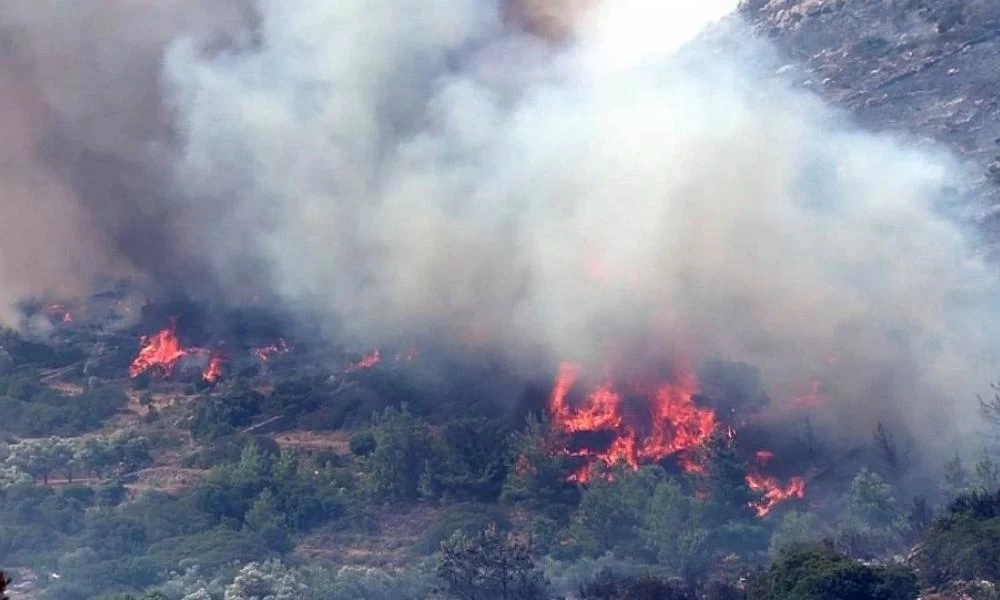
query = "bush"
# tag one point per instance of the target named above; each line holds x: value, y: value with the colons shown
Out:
x: 362, y: 443
x: 468, y: 519
x: 606, y: 585
x: 819, y: 571
x: 963, y: 542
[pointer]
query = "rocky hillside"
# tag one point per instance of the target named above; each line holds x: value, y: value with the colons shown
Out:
x: 928, y: 67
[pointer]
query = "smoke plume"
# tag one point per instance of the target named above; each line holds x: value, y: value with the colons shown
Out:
x: 394, y: 167
x: 80, y: 109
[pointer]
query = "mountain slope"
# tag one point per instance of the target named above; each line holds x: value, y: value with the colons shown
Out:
x: 927, y: 67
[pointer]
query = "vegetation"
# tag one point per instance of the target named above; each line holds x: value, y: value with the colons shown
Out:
x: 239, y: 491
x: 810, y: 572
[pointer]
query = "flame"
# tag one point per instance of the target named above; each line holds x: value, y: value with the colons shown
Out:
x: 265, y: 353
x: 674, y: 425
x: 213, y: 371
x: 162, y: 350
x: 367, y: 361
x: 815, y: 398
x: 375, y: 357
x: 60, y: 312
x: 773, y: 491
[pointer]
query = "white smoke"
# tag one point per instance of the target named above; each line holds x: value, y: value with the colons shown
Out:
x: 409, y: 165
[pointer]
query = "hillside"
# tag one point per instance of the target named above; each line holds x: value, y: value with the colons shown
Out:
x: 926, y: 67
x: 181, y: 449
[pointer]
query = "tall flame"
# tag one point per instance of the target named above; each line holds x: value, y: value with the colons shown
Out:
x: 675, y: 424
x: 213, y: 371
x: 162, y: 350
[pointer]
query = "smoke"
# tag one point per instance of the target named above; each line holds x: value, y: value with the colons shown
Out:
x: 81, y: 115
x: 427, y: 167
x: 393, y: 167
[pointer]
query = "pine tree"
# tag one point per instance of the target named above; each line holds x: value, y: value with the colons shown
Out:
x: 490, y: 566
x: 956, y: 478
x: 987, y: 474
x: 872, y: 522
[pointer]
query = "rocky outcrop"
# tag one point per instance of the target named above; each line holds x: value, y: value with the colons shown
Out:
x: 927, y: 67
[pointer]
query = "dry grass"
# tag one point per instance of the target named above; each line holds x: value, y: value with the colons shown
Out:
x: 399, y: 533
x: 314, y: 441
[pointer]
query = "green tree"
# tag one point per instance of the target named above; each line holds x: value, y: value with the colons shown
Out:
x: 729, y: 513
x: 470, y: 460
x: 987, y: 474
x: 490, y: 566
x: 963, y: 542
x: 955, y: 478
x: 795, y: 528
x: 537, y: 474
x: 872, y: 522
x: 607, y: 585
x: 612, y: 509
x: 819, y: 571
x: 676, y: 528
x: 269, y: 580
x: 403, y: 446
x: 266, y: 519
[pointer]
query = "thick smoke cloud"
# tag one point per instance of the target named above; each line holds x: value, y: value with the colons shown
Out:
x: 391, y: 168
x: 80, y: 181
x: 406, y: 165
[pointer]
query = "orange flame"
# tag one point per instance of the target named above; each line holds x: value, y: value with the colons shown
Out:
x: 265, y: 353
x: 367, y: 361
x: 375, y: 357
x: 213, y: 371
x: 773, y: 491
x: 675, y: 424
x: 162, y: 350
x: 61, y: 312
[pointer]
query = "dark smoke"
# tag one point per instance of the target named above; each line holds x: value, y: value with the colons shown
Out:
x: 85, y: 187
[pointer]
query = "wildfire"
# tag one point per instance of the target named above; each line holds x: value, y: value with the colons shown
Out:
x: 668, y: 423
x: 60, y: 312
x: 367, y: 361
x: 162, y: 350
x: 772, y: 489
x: 774, y: 492
x: 673, y: 425
x: 213, y: 371
x: 374, y: 357
x: 265, y: 353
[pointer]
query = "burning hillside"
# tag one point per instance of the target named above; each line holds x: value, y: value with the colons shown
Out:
x: 636, y: 423
x: 162, y: 352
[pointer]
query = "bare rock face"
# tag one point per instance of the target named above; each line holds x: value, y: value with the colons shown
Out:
x: 926, y: 67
